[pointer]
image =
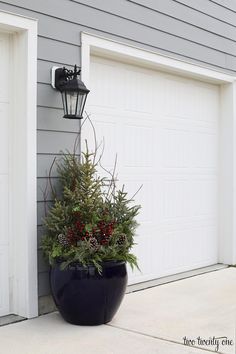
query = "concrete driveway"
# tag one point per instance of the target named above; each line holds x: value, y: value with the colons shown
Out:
x: 199, y: 311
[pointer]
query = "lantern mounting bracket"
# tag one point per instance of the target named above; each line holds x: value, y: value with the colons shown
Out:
x: 61, y: 76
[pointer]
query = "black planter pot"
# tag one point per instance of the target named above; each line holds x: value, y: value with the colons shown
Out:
x: 85, y: 297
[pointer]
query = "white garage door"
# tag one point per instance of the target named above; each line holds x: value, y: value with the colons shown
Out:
x: 4, y: 173
x: 164, y: 129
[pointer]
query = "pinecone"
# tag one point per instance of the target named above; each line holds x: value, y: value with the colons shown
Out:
x: 62, y: 239
x: 121, y: 240
x: 93, y: 243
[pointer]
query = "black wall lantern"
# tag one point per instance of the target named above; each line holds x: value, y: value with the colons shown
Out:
x: 73, y: 90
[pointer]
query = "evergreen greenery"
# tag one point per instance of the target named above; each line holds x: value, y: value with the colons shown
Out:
x: 92, y: 221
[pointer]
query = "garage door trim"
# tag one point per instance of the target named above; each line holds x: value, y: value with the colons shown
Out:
x: 23, y: 220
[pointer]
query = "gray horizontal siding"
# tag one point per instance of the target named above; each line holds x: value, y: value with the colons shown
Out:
x: 202, y: 31
x: 159, y: 20
x: 228, y: 4
x: 48, y: 97
x: 164, y: 32
x: 55, y: 141
x: 52, y: 50
x: 43, y: 283
x: 40, y: 234
x: 202, y: 14
x: 213, y: 9
x: 44, y: 68
x: 41, y: 210
x: 44, y: 188
x: 51, y: 119
x: 42, y: 264
x: 44, y: 162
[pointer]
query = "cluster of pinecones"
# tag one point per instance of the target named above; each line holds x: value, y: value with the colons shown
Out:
x: 63, y: 240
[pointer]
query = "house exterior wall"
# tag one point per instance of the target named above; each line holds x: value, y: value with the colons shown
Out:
x: 201, y: 32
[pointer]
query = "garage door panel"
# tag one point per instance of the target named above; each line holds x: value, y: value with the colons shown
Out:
x: 4, y: 210
x: 189, y: 198
x: 176, y: 97
x: 144, y: 259
x: 109, y: 139
x: 175, y: 251
x: 119, y: 115
x: 4, y: 139
x: 188, y: 149
x: 186, y: 249
x: 175, y: 147
x: 4, y: 172
x: 208, y: 101
x: 182, y: 96
x: 164, y: 129
x: 204, y: 150
x: 121, y: 132
x: 148, y: 204
x: 188, y: 125
x: 105, y: 135
x: 138, y: 83
x: 138, y: 138
x: 4, y: 63
x: 105, y: 97
x: 182, y: 250
x: 4, y: 285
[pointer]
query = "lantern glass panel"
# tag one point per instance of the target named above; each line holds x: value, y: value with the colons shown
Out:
x: 81, y: 102
x: 72, y: 103
x: 64, y: 102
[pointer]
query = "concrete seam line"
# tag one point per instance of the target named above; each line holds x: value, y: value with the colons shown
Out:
x: 160, y: 338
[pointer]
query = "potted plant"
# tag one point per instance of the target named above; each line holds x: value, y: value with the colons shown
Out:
x: 89, y: 235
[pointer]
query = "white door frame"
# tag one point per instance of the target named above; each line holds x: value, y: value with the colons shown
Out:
x: 23, y: 201
x: 92, y: 44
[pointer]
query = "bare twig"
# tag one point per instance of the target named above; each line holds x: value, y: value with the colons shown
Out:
x: 95, y: 138
x: 78, y: 136
x: 45, y: 197
x: 112, y: 186
x: 48, y: 183
x: 131, y: 199
x: 101, y: 155
x: 85, y: 119
x: 113, y: 180
x: 50, y: 177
